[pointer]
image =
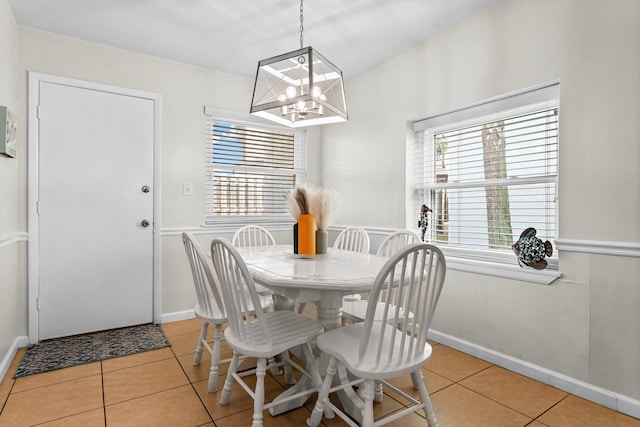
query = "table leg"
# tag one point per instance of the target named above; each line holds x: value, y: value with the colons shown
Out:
x: 283, y: 302
x: 330, y: 315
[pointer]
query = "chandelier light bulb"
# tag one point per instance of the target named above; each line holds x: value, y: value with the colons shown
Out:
x: 291, y: 92
x: 316, y: 92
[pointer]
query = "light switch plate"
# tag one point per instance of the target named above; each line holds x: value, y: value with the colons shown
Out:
x: 187, y: 188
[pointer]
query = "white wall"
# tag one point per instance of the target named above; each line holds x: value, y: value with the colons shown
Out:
x: 587, y: 324
x: 13, y: 288
x: 185, y: 91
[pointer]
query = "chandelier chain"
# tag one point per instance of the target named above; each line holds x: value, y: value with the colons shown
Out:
x: 301, y: 24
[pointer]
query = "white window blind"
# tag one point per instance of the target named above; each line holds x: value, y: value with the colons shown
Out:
x: 250, y: 167
x: 487, y: 178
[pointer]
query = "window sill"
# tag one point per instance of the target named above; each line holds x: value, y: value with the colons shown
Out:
x: 496, y: 269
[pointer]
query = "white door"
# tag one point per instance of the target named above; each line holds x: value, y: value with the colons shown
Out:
x: 95, y: 189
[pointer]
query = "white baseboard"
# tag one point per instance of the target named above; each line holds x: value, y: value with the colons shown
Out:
x: 609, y: 399
x: 177, y: 316
x: 18, y: 342
x: 11, y: 238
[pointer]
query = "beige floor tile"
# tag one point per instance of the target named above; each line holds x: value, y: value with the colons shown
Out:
x: 52, y: 402
x: 201, y: 371
x: 296, y: 417
x: 137, y: 359
x: 142, y: 380
x: 7, y: 384
x: 457, y: 406
x: 389, y: 404
x: 18, y: 357
x: 181, y: 327
x: 187, y: 342
x: 57, y: 376
x: 175, y: 408
x: 453, y: 364
x: 152, y: 388
x: 239, y: 400
x: 523, y: 394
x: 411, y: 420
x: 433, y: 382
x: 94, y: 418
x: 576, y: 412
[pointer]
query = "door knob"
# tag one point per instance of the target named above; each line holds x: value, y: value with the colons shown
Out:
x: 145, y: 189
x: 145, y: 223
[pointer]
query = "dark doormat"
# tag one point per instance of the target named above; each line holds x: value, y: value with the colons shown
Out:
x: 80, y: 349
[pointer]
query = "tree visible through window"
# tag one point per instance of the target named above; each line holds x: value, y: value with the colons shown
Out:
x: 488, y: 180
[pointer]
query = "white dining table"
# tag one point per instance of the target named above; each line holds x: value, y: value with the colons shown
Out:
x: 323, y: 279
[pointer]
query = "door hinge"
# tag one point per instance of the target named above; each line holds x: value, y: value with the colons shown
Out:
x: 38, y: 112
x: 38, y: 207
x: 37, y: 303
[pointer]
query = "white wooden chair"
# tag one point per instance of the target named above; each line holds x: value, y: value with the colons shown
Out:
x: 210, y: 308
x: 355, y: 310
x: 374, y: 351
x: 259, y: 334
x: 354, y: 239
x: 252, y: 235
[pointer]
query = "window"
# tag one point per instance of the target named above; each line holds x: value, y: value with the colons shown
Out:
x: 250, y: 167
x: 488, y: 172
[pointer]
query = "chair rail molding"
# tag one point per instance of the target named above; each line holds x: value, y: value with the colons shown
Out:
x: 598, y: 247
x: 11, y: 238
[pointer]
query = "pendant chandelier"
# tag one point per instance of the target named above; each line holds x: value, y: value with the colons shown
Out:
x: 300, y: 88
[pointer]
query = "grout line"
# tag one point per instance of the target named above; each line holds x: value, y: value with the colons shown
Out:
x: 500, y: 403
x: 104, y: 403
x: 551, y: 407
x: 194, y: 387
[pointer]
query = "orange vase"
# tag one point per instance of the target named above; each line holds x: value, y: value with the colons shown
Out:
x: 307, y: 234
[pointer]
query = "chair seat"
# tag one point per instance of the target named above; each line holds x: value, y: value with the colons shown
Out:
x: 287, y: 328
x: 356, y: 311
x: 215, y: 315
x: 338, y: 343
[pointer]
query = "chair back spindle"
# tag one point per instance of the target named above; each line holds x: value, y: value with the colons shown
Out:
x: 206, y: 284
x: 353, y: 239
x: 396, y: 241
x: 246, y: 317
x: 415, y: 275
x: 252, y: 235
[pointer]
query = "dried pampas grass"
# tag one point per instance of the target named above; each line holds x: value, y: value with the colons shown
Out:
x: 297, y: 202
x: 320, y: 202
x: 324, y: 205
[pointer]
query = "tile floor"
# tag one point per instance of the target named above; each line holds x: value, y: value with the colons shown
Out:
x: 163, y: 388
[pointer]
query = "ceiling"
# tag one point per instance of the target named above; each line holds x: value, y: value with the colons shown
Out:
x: 233, y: 35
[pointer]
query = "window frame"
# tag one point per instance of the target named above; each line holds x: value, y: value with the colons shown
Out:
x: 284, y: 221
x: 487, y: 261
